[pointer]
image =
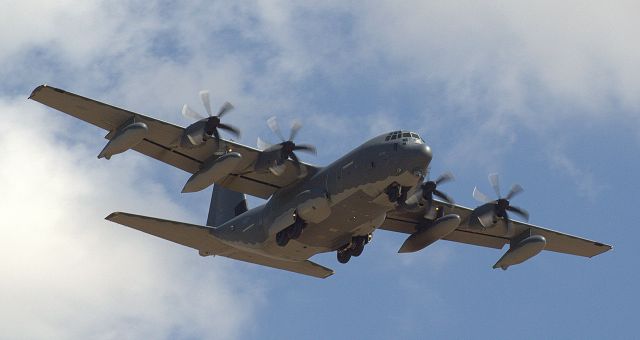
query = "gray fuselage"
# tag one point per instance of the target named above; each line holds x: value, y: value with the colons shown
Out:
x: 353, y: 189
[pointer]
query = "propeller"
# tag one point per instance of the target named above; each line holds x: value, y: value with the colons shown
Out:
x: 501, y: 206
x: 213, y: 123
x: 428, y: 189
x: 286, y: 147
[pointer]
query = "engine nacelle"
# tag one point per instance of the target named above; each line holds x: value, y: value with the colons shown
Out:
x: 212, y: 172
x: 440, y: 228
x: 125, y: 138
x: 522, y: 250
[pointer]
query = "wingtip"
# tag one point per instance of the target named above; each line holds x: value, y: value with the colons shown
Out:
x: 112, y: 215
x: 328, y: 275
x: 36, y: 90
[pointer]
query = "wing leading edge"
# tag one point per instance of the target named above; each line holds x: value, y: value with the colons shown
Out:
x: 200, y: 238
x: 497, y: 236
x: 163, y: 139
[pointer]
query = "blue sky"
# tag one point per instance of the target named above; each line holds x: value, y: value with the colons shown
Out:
x: 546, y: 94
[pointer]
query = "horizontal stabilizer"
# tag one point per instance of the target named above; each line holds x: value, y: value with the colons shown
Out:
x: 200, y: 238
x: 190, y: 235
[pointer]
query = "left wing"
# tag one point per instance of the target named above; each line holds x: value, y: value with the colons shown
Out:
x: 163, y: 139
x: 496, y: 236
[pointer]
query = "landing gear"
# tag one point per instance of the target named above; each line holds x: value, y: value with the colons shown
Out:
x: 394, y: 191
x: 354, y: 248
x: 282, y: 238
x: 291, y: 232
x: 344, y: 255
x: 358, y: 245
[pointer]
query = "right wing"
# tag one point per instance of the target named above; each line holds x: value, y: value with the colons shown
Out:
x: 163, y: 139
x: 201, y: 238
x: 494, y: 237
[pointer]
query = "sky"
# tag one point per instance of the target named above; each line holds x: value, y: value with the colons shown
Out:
x: 547, y: 94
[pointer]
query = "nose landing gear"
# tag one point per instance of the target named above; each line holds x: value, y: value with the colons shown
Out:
x: 354, y: 248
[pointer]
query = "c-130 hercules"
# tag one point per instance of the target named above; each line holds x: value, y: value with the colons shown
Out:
x: 310, y: 210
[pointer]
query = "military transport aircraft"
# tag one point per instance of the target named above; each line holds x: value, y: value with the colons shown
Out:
x: 382, y: 184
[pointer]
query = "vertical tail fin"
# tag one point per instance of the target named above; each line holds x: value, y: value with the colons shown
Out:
x: 225, y: 205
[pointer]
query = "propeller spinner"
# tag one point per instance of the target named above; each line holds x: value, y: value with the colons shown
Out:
x: 212, y: 123
x: 501, y: 206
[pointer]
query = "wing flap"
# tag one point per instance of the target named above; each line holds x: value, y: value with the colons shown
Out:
x: 477, y: 239
x: 200, y: 238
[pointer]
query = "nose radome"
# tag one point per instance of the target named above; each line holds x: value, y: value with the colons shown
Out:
x: 419, y: 156
x: 427, y: 152
x: 421, y: 152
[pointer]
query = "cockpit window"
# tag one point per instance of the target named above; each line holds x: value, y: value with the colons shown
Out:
x: 406, y: 134
x: 415, y: 136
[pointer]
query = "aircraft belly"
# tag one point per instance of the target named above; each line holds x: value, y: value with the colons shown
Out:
x: 353, y: 215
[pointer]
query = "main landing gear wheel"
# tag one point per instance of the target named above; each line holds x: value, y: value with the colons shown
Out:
x: 394, y: 191
x: 282, y: 238
x: 295, y: 230
x: 358, y: 245
x: 344, y: 256
x: 354, y: 248
x: 291, y: 232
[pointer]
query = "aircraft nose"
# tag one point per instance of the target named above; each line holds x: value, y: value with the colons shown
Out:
x: 420, y: 155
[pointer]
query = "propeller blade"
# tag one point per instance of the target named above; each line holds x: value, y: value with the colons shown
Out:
x: 444, y: 178
x: 415, y: 198
x: 273, y: 125
x: 206, y: 101
x: 427, y: 210
x: 189, y: 113
x: 487, y: 219
x: 295, y: 127
x: 296, y: 161
x: 443, y: 196
x: 515, y: 189
x: 229, y: 129
x: 262, y: 145
x: 192, y: 139
x: 507, y: 222
x: 479, y: 196
x: 519, y: 211
x: 306, y: 148
x: 494, y: 179
x: 278, y: 170
x: 224, y: 109
x: 275, y: 147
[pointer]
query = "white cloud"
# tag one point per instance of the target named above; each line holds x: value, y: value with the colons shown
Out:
x: 498, y: 67
x: 67, y: 273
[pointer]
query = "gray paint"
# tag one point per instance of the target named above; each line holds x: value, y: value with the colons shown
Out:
x: 353, y: 187
x: 225, y: 205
